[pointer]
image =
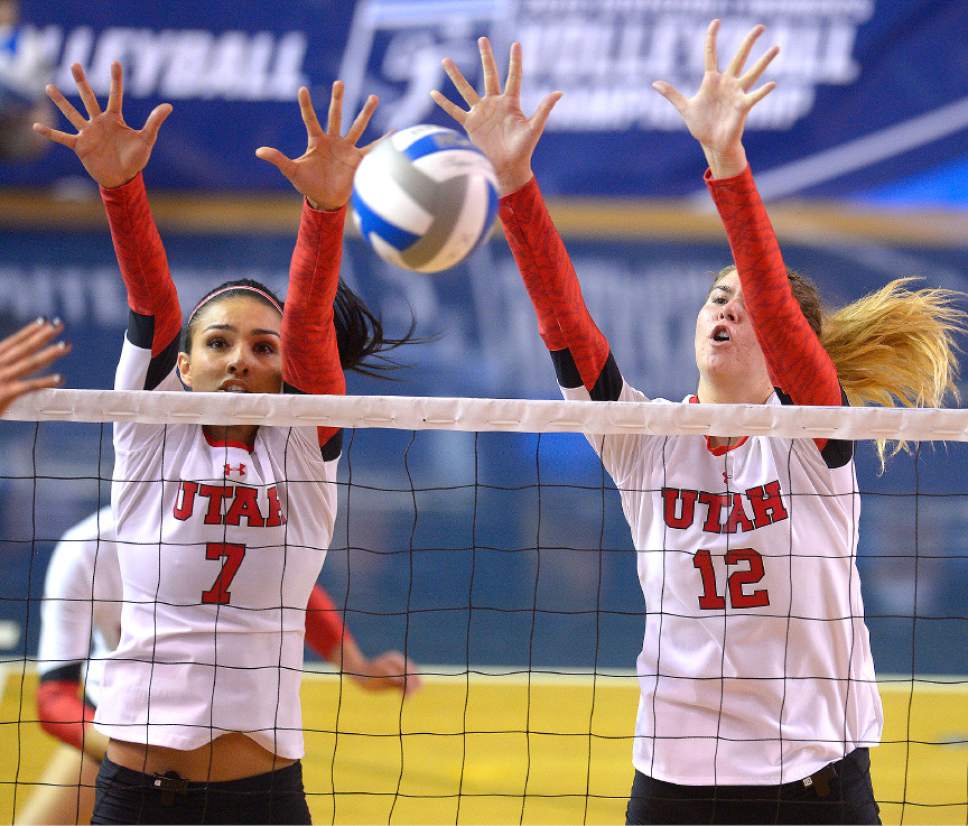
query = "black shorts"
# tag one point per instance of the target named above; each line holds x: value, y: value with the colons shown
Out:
x: 126, y: 796
x: 839, y: 793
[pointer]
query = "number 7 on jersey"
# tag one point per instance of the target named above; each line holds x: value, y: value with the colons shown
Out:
x: 233, y: 555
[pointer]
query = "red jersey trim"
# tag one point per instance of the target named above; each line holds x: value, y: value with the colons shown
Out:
x: 224, y: 443
x: 719, y: 450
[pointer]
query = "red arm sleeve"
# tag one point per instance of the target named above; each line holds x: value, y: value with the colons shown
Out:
x: 563, y: 320
x: 797, y: 361
x: 324, y: 629
x: 141, y: 257
x: 62, y: 712
x: 310, y: 355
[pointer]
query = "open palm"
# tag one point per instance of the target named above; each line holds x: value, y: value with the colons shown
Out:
x: 110, y: 150
x: 324, y: 172
x: 495, y: 123
x: 716, y: 115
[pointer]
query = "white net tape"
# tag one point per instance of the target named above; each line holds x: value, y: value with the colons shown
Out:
x: 483, y: 415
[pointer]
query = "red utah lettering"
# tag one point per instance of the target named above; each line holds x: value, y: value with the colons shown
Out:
x: 671, y: 497
x: 767, y: 504
x: 245, y: 504
x: 276, y: 516
x: 185, y: 500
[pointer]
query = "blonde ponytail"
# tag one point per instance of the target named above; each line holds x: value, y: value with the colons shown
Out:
x: 893, y: 346
x: 896, y: 346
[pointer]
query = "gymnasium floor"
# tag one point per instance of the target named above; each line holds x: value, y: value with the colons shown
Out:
x: 495, y: 774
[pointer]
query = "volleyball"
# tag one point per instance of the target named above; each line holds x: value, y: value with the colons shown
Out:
x: 425, y: 198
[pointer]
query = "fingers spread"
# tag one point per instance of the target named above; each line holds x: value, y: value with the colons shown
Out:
x: 671, y: 94
x: 712, y: 62
x: 308, y: 112
x: 117, y: 89
x: 85, y: 91
x: 540, y: 116
x: 753, y: 75
x: 56, y: 136
x: 449, y: 107
x: 492, y: 83
x: 334, y: 122
x: 24, y: 365
x: 28, y: 340
x: 76, y: 119
x: 513, y: 87
x: 739, y: 59
x: 157, y: 117
x: 276, y: 158
x: 362, y: 120
x: 464, y: 88
x: 755, y: 97
x: 25, y: 333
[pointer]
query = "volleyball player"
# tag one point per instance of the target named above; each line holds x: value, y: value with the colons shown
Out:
x: 81, y: 625
x: 201, y: 697
x: 758, y: 697
x: 26, y: 352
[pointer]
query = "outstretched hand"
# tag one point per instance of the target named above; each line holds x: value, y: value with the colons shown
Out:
x: 716, y: 114
x: 25, y: 352
x: 111, y: 151
x: 495, y: 122
x: 324, y: 172
x: 390, y: 670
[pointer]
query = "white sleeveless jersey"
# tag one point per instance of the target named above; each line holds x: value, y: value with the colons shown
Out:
x: 756, y: 667
x: 81, y: 612
x: 217, y: 562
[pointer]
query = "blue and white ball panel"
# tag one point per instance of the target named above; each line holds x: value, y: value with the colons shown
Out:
x: 424, y: 198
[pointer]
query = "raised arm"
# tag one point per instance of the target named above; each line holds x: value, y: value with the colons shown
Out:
x: 716, y: 117
x: 323, y: 175
x: 497, y: 125
x: 114, y: 155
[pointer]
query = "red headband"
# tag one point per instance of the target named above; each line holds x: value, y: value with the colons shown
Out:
x: 233, y: 288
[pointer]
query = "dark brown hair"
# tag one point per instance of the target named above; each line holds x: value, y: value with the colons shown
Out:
x: 359, y: 333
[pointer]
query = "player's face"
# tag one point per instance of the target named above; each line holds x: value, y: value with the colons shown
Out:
x: 235, y: 348
x: 727, y: 351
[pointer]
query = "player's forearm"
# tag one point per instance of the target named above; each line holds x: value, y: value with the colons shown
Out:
x: 142, y: 260
x: 62, y: 713
x: 325, y: 630
x: 796, y: 360
x: 546, y: 268
x: 311, y: 362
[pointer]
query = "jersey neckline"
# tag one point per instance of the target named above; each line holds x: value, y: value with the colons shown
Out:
x: 228, y: 443
x: 719, y: 450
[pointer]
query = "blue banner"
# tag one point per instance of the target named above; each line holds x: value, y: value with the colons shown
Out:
x: 870, y: 103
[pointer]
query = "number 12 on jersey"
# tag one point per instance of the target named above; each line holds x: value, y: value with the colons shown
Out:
x: 710, y: 600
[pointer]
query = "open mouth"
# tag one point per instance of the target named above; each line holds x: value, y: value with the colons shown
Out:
x: 233, y: 387
x: 721, y: 333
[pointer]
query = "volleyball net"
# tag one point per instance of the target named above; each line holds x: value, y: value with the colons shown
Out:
x: 483, y: 538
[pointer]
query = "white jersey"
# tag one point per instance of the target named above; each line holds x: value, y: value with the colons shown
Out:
x: 756, y: 667
x: 217, y: 562
x: 81, y: 613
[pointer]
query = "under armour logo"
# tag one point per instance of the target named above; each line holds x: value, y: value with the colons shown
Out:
x: 725, y: 477
x: 230, y: 469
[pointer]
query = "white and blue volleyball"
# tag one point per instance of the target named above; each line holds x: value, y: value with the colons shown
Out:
x: 424, y: 198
